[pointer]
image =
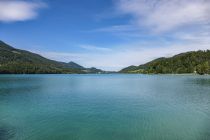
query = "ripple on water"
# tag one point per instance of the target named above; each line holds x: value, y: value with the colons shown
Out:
x: 6, y: 133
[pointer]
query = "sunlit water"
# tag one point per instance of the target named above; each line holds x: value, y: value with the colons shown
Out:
x: 104, y: 107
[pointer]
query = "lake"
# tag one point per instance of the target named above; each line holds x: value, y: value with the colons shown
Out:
x: 104, y: 107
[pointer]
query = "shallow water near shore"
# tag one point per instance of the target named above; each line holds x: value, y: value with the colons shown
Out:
x: 104, y: 107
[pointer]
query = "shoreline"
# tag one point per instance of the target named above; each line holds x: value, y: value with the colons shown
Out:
x: 190, y: 74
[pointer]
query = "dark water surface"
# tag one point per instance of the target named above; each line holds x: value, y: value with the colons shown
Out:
x: 104, y: 107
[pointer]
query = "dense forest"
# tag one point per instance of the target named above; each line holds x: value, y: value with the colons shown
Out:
x: 16, y: 61
x: 189, y: 62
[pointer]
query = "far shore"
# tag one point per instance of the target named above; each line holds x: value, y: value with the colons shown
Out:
x: 191, y: 74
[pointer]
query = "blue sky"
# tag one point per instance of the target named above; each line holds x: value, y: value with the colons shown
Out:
x: 107, y: 34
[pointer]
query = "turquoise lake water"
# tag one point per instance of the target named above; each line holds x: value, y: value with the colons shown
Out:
x: 104, y: 107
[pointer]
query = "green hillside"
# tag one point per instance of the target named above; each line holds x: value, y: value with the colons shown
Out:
x: 189, y: 62
x: 24, y: 62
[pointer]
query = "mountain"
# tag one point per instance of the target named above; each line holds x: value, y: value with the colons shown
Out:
x: 189, y: 62
x: 18, y: 61
x: 75, y: 65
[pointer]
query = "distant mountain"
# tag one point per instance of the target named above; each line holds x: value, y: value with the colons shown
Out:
x: 189, y: 62
x: 18, y: 61
x: 75, y: 65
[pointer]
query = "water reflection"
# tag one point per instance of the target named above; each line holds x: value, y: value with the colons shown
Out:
x: 202, y: 81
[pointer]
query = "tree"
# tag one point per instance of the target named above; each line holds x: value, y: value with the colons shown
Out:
x: 203, y: 68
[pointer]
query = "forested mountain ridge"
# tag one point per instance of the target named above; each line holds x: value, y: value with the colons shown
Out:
x: 18, y: 61
x: 189, y: 62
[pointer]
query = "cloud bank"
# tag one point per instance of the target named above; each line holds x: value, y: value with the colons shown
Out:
x: 130, y: 54
x: 13, y: 10
x: 166, y: 15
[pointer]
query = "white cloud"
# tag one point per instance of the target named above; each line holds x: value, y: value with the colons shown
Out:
x: 13, y: 10
x: 117, y: 28
x: 94, y: 48
x: 166, y: 15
